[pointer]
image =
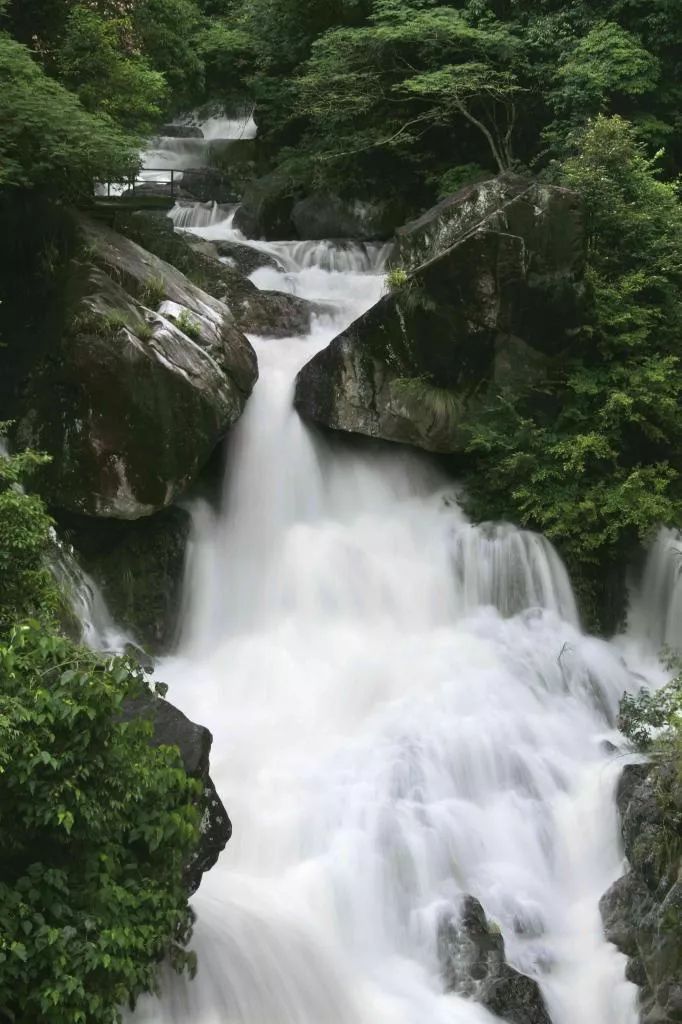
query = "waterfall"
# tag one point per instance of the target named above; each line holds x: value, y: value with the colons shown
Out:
x: 656, y: 610
x: 190, y: 216
x: 404, y: 711
x: 497, y: 564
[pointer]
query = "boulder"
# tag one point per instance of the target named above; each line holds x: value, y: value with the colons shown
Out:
x: 328, y: 216
x: 642, y: 911
x: 270, y: 210
x: 139, y: 568
x: 244, y: 258
x: 149, y: 374
x: 181, y: 131
x: 208, y: 184
x: 266, y: 209
x: 473, y: 962
x: 173, y: 729
x: 478, y: 306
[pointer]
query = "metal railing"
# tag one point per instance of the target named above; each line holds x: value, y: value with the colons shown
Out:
x: 133, y: 183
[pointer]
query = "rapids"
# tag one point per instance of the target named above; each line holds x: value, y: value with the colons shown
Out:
x: 404, y: 710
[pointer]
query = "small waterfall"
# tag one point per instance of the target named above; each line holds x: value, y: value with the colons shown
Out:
x: 189, y: 216
x: 511, y: 569
x: 655, y: 618
x: 87, y: 603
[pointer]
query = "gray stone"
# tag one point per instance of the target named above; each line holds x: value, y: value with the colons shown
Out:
x: 491, y: 311
x: 129, y: 404
x: 328, y: 216
x: 473, y: 962
x: 172, y: 728
x: 642, y: 911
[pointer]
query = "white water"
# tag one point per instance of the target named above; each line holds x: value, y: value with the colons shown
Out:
x: 404, y: 710
x: 656, y: 610
x: 166, y: 153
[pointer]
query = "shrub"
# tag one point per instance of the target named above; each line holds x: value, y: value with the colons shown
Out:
x: 92, y: 897
x: 188, y: 325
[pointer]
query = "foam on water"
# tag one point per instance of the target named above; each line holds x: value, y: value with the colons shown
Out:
x: 404, y: 710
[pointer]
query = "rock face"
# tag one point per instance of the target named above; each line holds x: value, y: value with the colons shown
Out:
x: 642, y: 911
x: 269, y: 210
x: 473, y: 963
x: 148, y: 376
x: 139, y: 568
x: 172, y: 728
x: 328, y: 216
x: 489, y: 292
x: 271, y: 314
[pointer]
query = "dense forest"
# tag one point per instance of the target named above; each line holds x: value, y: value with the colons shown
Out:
x: 395, y: 102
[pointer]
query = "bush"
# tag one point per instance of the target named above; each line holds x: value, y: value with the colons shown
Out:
x: 99, y: 827
x: 27, y: 586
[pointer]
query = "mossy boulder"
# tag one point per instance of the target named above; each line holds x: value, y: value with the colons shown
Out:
x: 472, y: 305
x: 147, y: 376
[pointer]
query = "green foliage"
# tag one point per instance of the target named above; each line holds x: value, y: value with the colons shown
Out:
x: 97, y: 59
x: 167, y: 31
x: 47, y: 139
x: 188, y: 325
x: 592, y: 458
x: 102, y: 825
x: 609, y: 61
x: 153, y: 293
x: 396, y: 278
x: 27, y: 586
x: 654, y: 720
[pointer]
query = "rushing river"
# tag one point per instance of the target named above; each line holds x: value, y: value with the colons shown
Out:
x: 404, y: 710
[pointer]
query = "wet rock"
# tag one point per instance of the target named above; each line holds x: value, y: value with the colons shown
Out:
x: 265, y: 210
x: 208, y: 184
x: 172, y: 728
x: 267, y: 313
x: 181, y: 131
x: 474, y: 965
x: 642, y: 911
x: 149, y: 374
x: 139, y: 568
x: 329, y: 216
x: 243, y: 258
x: 490, y: 311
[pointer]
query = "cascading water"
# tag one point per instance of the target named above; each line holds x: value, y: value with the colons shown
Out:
x: 656, y: 611
x: 404, y: 711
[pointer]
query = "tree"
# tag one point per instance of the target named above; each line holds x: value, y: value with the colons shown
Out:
x: 48, y: 140
x: 92, y: 896
x: 478, y: 92
x: 99, y: 60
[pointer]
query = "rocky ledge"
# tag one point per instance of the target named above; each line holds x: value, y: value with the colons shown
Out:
x: 486, y: 293
x: 642, y: 911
